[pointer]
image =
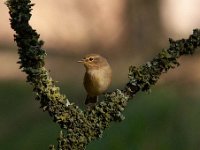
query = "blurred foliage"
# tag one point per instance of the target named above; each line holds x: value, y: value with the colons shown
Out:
x: 23, y: 125
x: 162, y: 120
x: 165, y: 119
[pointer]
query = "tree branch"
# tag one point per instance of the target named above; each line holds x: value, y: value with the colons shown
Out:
x: 85, y: 126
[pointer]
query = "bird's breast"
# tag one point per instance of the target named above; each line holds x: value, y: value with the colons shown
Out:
x: 96, y: 81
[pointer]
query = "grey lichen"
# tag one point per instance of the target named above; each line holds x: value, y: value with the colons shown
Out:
x: 83, y: 126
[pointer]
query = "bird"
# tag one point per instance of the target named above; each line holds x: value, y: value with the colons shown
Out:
x: 97, y: 78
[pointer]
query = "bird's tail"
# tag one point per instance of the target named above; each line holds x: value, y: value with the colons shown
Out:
x: 91, y: 99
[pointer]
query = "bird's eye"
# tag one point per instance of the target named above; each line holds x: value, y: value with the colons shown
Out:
x: 91, y: 59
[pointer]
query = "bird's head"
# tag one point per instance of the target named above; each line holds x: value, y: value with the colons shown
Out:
x: 93, y: 61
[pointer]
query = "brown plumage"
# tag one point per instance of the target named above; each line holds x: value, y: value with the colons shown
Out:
x: 97, y: 76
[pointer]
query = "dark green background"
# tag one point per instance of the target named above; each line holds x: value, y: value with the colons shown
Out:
x: 166, y: 119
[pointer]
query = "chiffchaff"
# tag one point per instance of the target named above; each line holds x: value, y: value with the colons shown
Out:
x: 97, y: 76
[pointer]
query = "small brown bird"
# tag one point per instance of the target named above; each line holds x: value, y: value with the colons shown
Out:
x: 97, y: 76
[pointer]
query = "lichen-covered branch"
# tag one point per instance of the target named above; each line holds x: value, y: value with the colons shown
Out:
x: 82, y: 127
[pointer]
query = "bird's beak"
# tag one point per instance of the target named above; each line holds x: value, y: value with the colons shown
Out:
x: 81, y: 61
